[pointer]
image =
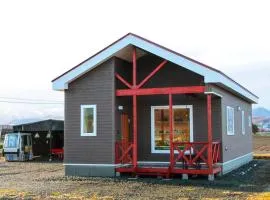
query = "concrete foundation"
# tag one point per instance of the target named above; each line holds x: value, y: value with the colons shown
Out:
x: 211, y: 177
x: 184, y: 176
x: 236, y: 163
x: 90, y: 170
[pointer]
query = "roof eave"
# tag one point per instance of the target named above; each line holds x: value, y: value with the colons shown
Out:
x: 211, y: 75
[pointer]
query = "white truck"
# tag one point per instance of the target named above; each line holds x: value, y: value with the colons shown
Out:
x: 18, y: 147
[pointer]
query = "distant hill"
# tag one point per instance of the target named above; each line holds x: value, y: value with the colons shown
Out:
x: 261, y: 112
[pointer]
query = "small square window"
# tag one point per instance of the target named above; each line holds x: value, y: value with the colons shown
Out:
x: 230, y: 120
x: 88, y: 120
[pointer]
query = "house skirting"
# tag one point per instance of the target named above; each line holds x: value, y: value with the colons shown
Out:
x: 101, y: 170
x: 236, y: 162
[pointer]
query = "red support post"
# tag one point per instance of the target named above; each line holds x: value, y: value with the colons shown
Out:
x: 134, y: 68
x: 135, y: 147
x: 152, y: 73
x: 209, y: 132
x: 171, y: 130
x: 135, y: 131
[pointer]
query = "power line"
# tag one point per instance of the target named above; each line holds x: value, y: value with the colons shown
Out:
x: 54, y: 101
x: 25, y: 102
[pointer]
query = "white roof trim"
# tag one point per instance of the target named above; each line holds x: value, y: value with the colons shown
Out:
x: 210, y: 76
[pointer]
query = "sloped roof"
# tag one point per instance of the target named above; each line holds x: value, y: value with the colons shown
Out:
x: 210, y: 74
x: 44, y: 125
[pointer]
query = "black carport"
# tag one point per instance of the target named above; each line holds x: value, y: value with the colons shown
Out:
x: 46, y: 135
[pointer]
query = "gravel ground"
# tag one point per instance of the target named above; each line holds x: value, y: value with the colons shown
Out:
x: 33, y: 180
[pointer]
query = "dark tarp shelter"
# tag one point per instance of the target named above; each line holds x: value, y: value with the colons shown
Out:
x: 40, y: 134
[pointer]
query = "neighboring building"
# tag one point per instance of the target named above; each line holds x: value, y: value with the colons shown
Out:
x: 47, y: 135
x: 4, y: 129
x: 138, y: 107
x: 263, y: 123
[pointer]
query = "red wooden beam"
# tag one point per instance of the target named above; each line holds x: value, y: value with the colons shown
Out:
x: 190, y: 171
x: 156, y: 91
x: 209, y: 132
x: 152, y: 73
x: 134, y: 74
x: 171, y: 130
x: 120, y: 78
x: 152, y: 170
x: 134, y: 99
x: 135, y: 131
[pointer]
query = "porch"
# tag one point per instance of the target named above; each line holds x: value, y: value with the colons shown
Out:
x: 183, y: 162
x: 185, y: 156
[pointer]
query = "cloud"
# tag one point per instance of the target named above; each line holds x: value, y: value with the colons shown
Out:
x: 41, y: 40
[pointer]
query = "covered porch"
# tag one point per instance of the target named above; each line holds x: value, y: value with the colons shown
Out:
x: 180, y: 156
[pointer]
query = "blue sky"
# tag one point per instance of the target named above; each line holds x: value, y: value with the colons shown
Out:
x: 42, y: 39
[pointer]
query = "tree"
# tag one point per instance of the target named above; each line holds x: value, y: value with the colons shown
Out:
x: 255, y: 128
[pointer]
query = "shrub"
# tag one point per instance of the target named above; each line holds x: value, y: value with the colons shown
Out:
x: 255, y: 128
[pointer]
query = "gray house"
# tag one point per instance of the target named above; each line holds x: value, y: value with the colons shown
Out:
x: 137, y: 107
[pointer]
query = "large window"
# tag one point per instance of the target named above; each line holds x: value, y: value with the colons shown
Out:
x: 243, y: 122
x: 230, y: 120
x: 160, y: 127
x: 88, y: 120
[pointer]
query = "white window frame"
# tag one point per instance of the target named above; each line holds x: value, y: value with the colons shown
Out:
x: 243, y: 122
x: 94, y: 120
x: 153, y: 108
x: 228, y: 110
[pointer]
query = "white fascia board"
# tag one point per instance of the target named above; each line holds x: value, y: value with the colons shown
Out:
x: 62, y: 82
x: 219, y: 78
x: 209, y: 75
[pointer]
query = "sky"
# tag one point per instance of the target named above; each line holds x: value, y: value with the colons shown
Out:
x: 40, y: 40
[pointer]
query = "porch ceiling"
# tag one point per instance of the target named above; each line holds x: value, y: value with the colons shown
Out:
x: 126, y: 53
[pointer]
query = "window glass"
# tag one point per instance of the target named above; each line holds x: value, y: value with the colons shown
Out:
x: 249, y: 121
x: 181, y: 127
x: 243, y: 122
x: 88, y: 120
x: 230, y: 121
x: 11, y: 141
x: 162, y: 129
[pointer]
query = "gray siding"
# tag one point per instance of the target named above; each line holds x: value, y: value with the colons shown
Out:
x: 95, y: 87
x: 236, y: 145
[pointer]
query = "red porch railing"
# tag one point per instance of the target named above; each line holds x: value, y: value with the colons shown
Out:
x: 188, y: 158
x: 193, y: 154
x: 216, y: 151
x: 123, y: 152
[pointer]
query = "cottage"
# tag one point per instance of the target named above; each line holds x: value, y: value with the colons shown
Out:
x: 138, y: 107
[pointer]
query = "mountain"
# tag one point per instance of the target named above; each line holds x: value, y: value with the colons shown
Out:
x: 261, y: 112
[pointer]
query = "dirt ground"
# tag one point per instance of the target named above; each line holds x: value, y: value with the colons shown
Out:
x: 261, y: 144
x: 42, y: 180
x: 37, y: 180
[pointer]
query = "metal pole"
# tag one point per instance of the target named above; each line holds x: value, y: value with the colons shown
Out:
x: 50, y: 133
